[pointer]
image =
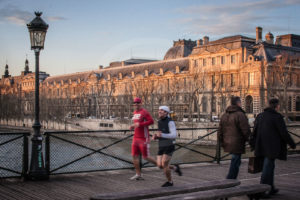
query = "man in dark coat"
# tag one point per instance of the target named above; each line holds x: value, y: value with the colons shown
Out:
x: 233, y: 132
x: 270, y: 138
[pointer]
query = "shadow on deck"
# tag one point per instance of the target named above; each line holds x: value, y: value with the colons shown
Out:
x: 86, y: 185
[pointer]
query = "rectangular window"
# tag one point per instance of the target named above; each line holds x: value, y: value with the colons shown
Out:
x: 251, y: 78
x: 204, y: 62
x: 222, y: 80
x: 213, y: 61
x: 213, y: 81
x: 232, y: 81
x: 232, y: 59
x: 222, y: 60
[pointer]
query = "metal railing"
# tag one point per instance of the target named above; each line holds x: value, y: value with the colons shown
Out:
x: 14, y: 154
x: 87, y: 151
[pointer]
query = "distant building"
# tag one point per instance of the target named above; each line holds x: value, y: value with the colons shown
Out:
x: 16, y: 92
x: 196, y: 79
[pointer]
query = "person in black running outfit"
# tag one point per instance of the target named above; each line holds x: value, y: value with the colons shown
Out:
x: 166, y: 144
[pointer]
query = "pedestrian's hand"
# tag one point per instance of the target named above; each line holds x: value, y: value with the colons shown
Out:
x: 158, y: 134
x: 154, y: 137
x: 293, y: 146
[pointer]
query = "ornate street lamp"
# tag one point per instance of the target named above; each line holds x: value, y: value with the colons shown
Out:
x: 37, y: 30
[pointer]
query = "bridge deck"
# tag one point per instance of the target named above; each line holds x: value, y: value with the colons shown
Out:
x: 83, y: 186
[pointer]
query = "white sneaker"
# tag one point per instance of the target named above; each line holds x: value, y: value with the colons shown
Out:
x: 137, y: 177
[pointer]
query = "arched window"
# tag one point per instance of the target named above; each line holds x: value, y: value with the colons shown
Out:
x: 249, y: 104
x: 204, y: 104
x: 290, y: 104
x: 213, y: 106
x: 195, y: 105
x: 223, y: 103
x: 298, y: 103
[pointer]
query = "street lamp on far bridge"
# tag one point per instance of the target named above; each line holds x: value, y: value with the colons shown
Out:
x: 37, y: 30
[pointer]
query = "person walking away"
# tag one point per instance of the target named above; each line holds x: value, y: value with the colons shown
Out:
x: 233, y: 132
x: 141, y: 139
x: 269, y: 140
x: 166, y: 144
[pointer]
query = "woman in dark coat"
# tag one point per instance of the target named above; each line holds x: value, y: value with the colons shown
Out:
x: 270, y: 139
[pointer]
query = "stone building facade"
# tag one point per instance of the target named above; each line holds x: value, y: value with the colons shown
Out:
x: 196, y: 79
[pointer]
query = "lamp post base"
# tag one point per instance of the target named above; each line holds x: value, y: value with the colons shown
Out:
x: 37, y: 169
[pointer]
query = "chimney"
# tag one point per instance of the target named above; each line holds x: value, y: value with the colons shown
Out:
x: 120, y: 76
x: 199, y: 42
x: 269, y: 38
x: 258, y: 34
x: 205, y: 40
x: 177, y: 70
x: 146, y: 73
x: 161, y: 71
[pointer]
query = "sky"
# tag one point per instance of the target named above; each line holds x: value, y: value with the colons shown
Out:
x: 84, y: 34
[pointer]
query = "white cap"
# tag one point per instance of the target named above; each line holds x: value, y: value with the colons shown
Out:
x: 165, y: 108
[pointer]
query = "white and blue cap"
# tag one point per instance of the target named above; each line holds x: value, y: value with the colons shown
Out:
x: 165, y: 108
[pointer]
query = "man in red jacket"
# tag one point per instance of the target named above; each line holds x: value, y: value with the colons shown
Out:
x: 141, y: 139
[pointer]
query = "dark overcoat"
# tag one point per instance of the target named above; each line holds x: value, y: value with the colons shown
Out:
x: 270, y: 135
x: 234, y: 130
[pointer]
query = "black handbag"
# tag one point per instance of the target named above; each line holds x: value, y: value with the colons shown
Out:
x: 255, y: 164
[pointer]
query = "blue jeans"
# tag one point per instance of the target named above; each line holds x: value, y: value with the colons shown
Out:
x: 267, y: 176
x: 234, y: 166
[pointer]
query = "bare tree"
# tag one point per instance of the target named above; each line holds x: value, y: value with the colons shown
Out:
x: 282, y: 69
x: 109, y: 91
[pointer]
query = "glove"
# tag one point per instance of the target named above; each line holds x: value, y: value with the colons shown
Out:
x: 293, y: 146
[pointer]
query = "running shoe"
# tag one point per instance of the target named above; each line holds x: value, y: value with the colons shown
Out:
x: 137, y: 177
x: 178, y: 170
x: 167, y: 184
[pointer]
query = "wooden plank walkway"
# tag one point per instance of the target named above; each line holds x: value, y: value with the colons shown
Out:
x: 85, y: 185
